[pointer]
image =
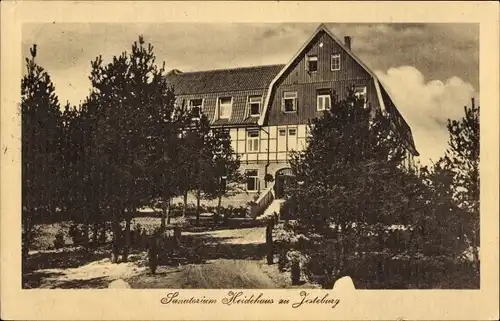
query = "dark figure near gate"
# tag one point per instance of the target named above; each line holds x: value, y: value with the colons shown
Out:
x: 153, y: 251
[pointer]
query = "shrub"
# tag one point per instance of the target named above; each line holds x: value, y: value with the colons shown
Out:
x: 268, y: 178
x: 77, y: 234
x: 59, y: 240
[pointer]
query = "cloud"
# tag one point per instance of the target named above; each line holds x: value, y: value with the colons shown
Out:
x: 427, y: 105
x: 439, y: 51
x: 449, y: 52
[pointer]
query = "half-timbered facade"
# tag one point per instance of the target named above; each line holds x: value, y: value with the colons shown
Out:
x: 267, y: 108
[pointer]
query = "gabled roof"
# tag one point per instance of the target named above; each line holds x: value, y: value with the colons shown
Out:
x: 222, y: 80
x: 298, y: 54
x: 265, y: 78
x: 378, y: 85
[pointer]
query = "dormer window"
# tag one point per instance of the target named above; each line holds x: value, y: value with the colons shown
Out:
x: 254, y: 103
x: 225, y: 107
x: 312, y: 63
x: 289, y: 102
x: 195, y: 107
x: 335, y: 62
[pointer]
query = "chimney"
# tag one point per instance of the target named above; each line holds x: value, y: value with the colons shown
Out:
x: 347, y: 42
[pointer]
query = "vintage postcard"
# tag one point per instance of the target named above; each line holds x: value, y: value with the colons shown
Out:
x: 250, y: 160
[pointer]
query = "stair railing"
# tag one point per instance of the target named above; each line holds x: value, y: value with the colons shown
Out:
x: 265, y: 199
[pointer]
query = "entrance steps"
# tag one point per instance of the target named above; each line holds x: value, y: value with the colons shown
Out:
x: 274, y: 207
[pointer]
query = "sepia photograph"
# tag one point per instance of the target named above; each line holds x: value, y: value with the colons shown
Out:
x: 253, y: 156
x: 239, y: 160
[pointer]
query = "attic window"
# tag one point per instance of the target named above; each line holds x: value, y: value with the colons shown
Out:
x: 289, y: 101
x: 312, y: 63
x: 335, y: 62
x: 254, y: 103
x: 225, y: 106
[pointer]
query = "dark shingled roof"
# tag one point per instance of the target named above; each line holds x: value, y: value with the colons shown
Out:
x: 222, y: 80
x: 398, y: 120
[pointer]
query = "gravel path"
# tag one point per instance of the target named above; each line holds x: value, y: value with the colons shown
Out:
x: 233, y: 258
x: 215, y: 274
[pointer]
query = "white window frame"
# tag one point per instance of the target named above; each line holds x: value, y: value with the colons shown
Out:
x: 321, y: 97
x: 250, y: 102
x: 294, y: 129
x: 332, y: 59
x: 363, y: 93
x: 253, y: 141
x: 311, y: 58
x: 254, y: 177
x: 190, y: 106
x: 219, y: 107
x: 291, y: 95
x: 281, y: 129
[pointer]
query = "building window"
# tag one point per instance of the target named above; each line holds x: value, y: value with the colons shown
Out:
x: 360, y: 93
x: 195, y: 107
x: 225, y: 106
x: 252, y: 180
x: 323, y: 100
x: 312, y: 63
x: 254, y: 103
x: 292, y: 131
x: 289, y: 103
x: 282, y: 131
x: 335, y: 62
x: 253, y: 140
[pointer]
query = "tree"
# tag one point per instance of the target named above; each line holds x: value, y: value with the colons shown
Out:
x: 135, y: 95
x: 200, y: 145
x: 462, y: 160
x: 163, y: 179
x: 189, y: 151
x: 222, y: 173
x: 439, y: 229
x: 75, y: 198
x: 92, y: 184
x: 350, y: 184
x: 41, y: 133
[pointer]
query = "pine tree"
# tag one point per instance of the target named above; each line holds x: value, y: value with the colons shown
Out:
x: 222, y: 175
x: 134, y: 95
x: 41, y: 144
x: 462, y: 159
x: 350, y: 183
x: 163, y: 178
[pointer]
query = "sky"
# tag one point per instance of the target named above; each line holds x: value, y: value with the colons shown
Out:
x: 430, y: 70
